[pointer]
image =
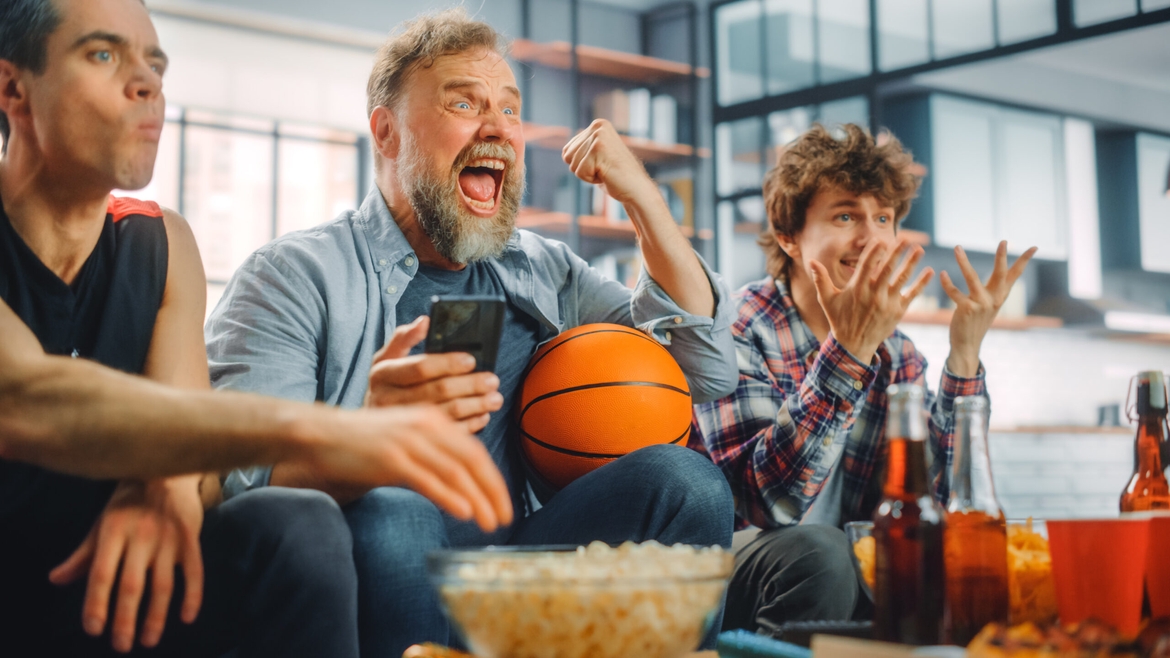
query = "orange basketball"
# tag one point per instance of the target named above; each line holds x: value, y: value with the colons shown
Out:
x: 595, y: 393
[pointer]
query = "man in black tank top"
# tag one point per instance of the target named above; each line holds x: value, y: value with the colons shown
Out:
x: 101, y: 497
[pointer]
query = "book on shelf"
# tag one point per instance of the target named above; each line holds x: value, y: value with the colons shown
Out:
x: 637, y: 113
x: 664, y: 119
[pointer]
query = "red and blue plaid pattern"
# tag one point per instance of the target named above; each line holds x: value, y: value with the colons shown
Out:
x: 803, y: 408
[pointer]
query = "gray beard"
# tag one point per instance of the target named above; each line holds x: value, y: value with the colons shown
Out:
x: 458, y: 235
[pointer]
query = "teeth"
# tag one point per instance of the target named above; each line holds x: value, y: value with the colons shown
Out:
x: 487, y: 163
x: 482, y: 205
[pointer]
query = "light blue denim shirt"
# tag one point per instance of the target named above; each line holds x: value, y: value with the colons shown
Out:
x: 302, y: 317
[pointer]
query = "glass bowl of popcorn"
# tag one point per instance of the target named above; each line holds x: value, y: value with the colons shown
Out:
x: 596, y: 601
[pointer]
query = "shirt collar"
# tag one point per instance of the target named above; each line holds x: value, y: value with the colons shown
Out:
x: 803, y: 339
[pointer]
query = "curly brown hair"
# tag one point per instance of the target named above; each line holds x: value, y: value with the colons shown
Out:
x: 856, y: 163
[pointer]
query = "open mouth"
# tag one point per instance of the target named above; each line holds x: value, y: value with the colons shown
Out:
x: 480, y: 183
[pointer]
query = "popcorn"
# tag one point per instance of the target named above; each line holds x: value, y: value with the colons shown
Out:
x: 646, y: 600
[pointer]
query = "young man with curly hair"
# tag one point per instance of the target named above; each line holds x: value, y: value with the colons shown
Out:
x: 802, y: 439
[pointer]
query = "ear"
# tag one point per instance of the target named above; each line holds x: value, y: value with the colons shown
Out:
x: 788, y: 244
x: 13, y: 94
x: 384, y: 131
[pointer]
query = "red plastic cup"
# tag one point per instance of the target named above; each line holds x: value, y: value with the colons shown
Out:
x: 1158, y: 566
x: 1098, y: 566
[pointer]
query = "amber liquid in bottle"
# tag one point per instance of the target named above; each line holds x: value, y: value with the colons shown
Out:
x: 1148, y: 489
x: 909, y: 577
x: 976, y: 538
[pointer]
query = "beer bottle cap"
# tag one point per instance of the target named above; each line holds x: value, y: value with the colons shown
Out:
x: 1151, y: 386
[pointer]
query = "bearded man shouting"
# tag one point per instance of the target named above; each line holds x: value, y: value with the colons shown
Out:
x: 337, y: 314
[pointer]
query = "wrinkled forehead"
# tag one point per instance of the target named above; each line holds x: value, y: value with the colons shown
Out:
x: 479, y: 65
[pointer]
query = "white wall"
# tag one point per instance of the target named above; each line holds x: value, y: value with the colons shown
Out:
x: 251, y: 73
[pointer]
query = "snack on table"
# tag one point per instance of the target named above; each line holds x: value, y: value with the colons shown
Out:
x: 1089, y: 640
x: 646, y: 600
x: 866, y: 552
x: 1033, y: 591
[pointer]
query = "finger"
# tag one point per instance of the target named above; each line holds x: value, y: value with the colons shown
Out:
x: 77, y: 564
x: 826, y: 290
x: 404, y: 339
x: 483, y: 469
x: 885, y: 268
x: 132, y: 583
x: 477, y: 423
x: 974, y: 285
x: 570, y: 149
x: 420, y: 369
x: 455, y: 472
x: 999, y: 271
x: 584, y: 165
x: 1017, y: 268
x: 433, y: 488
x: 102, y: 571
x: 919, y: 284
x: 162, y: 586
x: 902, y: 275
x: 473, y: 407
x: 871, y: 257
x: 950, y: 289
x: 192, y: 578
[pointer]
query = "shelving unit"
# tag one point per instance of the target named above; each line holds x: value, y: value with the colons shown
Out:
x: 594, y: 70
x: 943, y: 317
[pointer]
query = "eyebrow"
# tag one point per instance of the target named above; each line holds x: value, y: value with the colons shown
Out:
x: 463, y: 83
x: 119, y: 41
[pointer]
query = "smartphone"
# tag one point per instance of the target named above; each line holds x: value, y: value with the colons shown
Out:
x: 469, y: 324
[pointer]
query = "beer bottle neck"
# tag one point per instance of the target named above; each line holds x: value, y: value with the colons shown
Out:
x: 1148, y: 443
x: 972, y: 488
x: 906, y: 469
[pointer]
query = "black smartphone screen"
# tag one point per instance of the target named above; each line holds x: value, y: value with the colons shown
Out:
x: 467, y: 324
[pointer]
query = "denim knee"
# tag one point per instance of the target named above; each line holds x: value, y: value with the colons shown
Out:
x: 395, y: 524
x: 682, y: 477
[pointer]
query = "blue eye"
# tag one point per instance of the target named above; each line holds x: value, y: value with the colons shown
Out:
x: 103, y: 56
x: 883, y: 219
x: 508, y: 110
x: 463, y: 105
x: 846, y: 218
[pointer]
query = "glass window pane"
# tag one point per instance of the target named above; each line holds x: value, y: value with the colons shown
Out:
x: 1020, y: 20
x: 789, y: 45
x: 847, y: 110
x: 228, y: 196
x: 902, y: 33
x: 961, y: 26
x: 1091, y: 12
x: 1151, y: 5
x: 739, y: 55
x: 843, y: 28
x: 318, y: 181
x: 784, y: 127
x: 163, y: 188
x: 738, y: 146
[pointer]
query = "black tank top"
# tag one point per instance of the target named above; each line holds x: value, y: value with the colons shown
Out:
x: 106, y: 315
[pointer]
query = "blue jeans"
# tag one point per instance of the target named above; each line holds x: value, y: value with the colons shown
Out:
x: 666, y: 493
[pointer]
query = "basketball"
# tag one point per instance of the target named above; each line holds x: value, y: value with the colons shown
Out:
x: 596, y: 393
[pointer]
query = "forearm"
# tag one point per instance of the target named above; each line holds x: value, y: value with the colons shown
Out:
x: 670, y: 259
x: 80, y: 418
x: 302, y: 476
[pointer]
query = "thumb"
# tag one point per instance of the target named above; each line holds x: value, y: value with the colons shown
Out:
x: 76, y: 565
x: 405, y: 337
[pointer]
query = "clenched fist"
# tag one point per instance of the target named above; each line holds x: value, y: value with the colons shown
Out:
x: 598, y: 155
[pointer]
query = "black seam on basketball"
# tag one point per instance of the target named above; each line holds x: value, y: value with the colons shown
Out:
x: 590, y: 455
x: 532, y: 365
x: 600, y: 385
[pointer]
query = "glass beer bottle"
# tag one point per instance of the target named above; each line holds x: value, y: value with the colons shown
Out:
x: 1147, y: 489
x: 909, y: 577
x: 976, y: 537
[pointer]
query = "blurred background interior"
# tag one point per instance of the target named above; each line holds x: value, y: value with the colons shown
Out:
x: 1042, y: 122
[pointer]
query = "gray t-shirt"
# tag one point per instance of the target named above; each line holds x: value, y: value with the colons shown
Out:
x: 517, y: 344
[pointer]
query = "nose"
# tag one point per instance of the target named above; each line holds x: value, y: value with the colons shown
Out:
x: 863, y: 232
x: 145, y: 83
x: 499, y: 128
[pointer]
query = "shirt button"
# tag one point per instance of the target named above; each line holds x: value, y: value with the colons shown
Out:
x: 409, y: 261
x: 382, y: 262
x: 827, y: 442
x: 668, y: 336
x: 392, y: 289
x: 678, y: 320
x: 857, y: 384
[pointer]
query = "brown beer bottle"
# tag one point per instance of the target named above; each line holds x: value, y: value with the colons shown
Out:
x: 1147, y: 489
x: 910, y: 577
x: 976, y: 537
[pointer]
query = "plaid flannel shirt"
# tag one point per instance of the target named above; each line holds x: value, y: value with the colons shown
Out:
x: 803, y: 408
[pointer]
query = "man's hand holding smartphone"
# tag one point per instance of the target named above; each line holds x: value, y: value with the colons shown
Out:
x: 448, y: 379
